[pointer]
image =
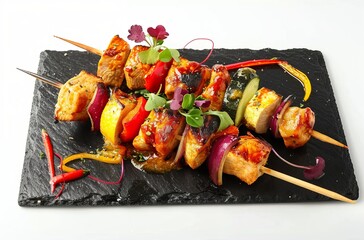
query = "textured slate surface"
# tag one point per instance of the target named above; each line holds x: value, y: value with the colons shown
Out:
x: 184, y: 186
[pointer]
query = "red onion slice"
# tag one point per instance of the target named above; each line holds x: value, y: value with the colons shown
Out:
x: 278, y: 114
x: 97, y: 104
x: 317, y: 171
x: 181, y: 146
x: 219, y: 150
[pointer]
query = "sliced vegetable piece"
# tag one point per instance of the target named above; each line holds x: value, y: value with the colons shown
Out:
x: 278, y: 115
x: 248, y: 94
x: 234, y: 91
x: 115, y: 110
x: 297, y: 74
x: 133, y: 120
x: 300, y: 76
x: 216, y: 160
x: 253, y: 63
x: 115, y: 158
x: 97, y: 104
x: 156, y: 75
x: 309, y: 172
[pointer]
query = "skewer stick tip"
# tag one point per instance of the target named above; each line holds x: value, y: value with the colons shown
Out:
x: 82, y: 46
x: 306, y: 185
x: 51, y: 82
x: 324, y: 138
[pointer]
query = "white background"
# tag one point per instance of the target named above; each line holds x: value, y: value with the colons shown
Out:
x: 27, y: 28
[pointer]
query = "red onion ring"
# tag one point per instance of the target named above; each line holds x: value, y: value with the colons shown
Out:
x: 97, y: 104
x: 278, y: 114
x: 219, y: 150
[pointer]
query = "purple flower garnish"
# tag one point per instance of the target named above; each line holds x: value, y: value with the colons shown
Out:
x: 158, y: 33
x: 317, y: 171
x: 176, y: 102
x: 136, y: 34
x: 202, y: 103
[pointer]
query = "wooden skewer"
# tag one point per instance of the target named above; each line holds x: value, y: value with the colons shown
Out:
x: 51, y: 82
x: 306, y: 185
x: 83, y: 46
x: 324, y: 138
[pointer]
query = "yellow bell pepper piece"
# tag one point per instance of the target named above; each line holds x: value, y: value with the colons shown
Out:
x: 115, y: 159
x: 300, y: 76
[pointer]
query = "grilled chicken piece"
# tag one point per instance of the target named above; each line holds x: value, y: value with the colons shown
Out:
x: 74, y: 97
x: 187, y: 75
x: 246, y: 157
x: 160, y: 132
x: 215, y: 91
x: 260, y: 109
x: 135, y: 70
x: 297, y: 126
x: 112, y: 62
x: 198, y: 141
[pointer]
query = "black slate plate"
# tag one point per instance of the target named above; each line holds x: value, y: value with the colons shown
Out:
x: 185, y: 186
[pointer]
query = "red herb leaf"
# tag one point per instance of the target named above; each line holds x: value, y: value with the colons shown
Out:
x: 178, y: 98
x: 158, y: 33
x: 202, y: 103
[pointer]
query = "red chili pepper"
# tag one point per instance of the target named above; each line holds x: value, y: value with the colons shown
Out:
x: 49, y: 152
x: 156, y: 75
x: 253, y: 63
x: 133, y: 120
x: 67, y: 177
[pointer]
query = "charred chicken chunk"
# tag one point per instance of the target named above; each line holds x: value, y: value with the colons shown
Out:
x: 160, y: 132
x: 245, y: 159
x: 112, y: 62
x: 198, y: 141
x: 74, y: 97
x: 296, y: 126
x: 187, y: 75
x: 135, y: 70
x: 216, y: 88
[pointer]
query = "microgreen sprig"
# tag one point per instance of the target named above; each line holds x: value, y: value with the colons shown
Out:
x: 155, y: 39
x: 190, y: 107
x: 155, y: 100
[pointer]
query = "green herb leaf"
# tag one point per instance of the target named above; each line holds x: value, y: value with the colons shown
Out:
x: 165, y: 55
x: 149, y: 56
x: 194, y: 117
x: 188, y: 101
x: 175, y: 54
x: 154, y: 101
x: 225, y: 119
x: 160, y: 42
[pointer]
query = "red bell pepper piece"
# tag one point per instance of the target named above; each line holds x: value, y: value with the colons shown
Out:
x: 156, y: 76
x: 133, y: 120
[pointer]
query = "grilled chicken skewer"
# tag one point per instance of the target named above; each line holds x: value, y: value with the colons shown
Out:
x: 247, y: 159
x: 74, y: 96
x: 201, y: 74
x: 238, y: 161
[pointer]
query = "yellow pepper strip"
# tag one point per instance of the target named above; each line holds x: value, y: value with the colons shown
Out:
x: 300, y: 76
x: 116, y: 159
